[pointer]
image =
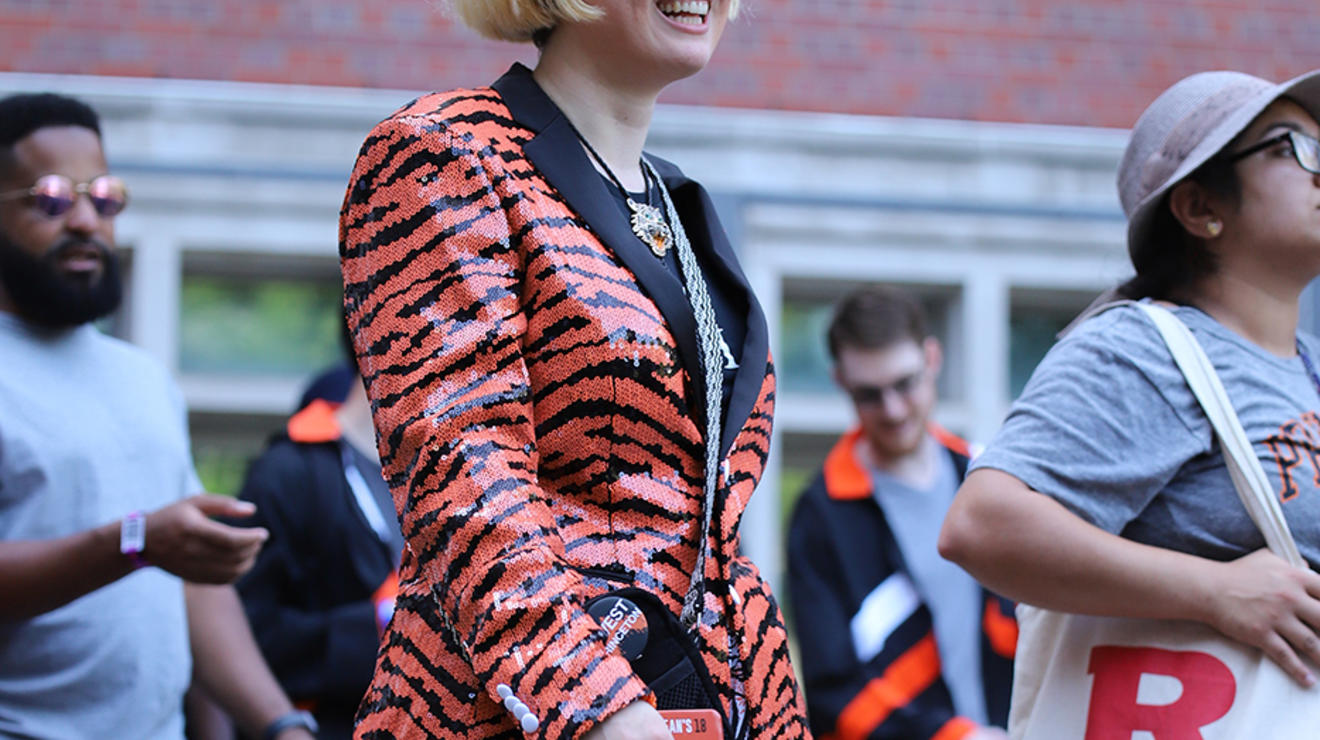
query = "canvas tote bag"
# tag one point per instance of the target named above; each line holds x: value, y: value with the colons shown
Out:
x: 1080, y: 677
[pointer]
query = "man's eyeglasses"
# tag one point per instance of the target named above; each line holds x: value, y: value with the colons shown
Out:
x: 1305, y: 149
x: 54, y: 195
x: 874, y: 395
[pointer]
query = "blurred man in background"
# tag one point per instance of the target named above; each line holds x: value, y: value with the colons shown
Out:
x: 895, y: 641
x: 110, y: 572
x: 323, y: 587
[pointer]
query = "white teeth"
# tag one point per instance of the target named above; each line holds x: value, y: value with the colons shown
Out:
x: 684, y: 10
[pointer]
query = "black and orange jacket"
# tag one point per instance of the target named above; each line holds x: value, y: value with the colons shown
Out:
x: 531, y: 366
x: 840, y: 552
x: 309, y: 595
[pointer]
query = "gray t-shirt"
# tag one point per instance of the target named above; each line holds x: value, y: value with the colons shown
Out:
x: 90, y: 430
x: 953, y: 597
x: 1108, y: 427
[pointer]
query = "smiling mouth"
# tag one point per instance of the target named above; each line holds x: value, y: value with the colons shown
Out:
x: 81, y: 258
x: 686, y: 12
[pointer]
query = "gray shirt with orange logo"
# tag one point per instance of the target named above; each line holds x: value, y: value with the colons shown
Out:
x: 1108, y: 427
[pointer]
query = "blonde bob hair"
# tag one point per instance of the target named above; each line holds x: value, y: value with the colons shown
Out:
x: 523, y: 20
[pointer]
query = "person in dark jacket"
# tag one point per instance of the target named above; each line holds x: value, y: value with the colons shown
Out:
x: 896, y: 643
x: 322, y: 588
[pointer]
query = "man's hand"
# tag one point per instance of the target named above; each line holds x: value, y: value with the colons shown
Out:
x: 183, y: 539
x: 37, y: 576
x: 637, y: 721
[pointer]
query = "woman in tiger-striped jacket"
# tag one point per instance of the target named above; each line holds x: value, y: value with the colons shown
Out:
x: 539, y: 401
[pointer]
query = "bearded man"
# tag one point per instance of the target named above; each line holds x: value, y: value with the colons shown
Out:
x: 110, y: 567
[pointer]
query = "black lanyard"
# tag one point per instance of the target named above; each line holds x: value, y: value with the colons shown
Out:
x: 1310, y: 368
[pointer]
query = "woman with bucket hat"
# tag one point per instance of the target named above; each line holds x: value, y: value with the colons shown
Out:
x: 1106, y: 492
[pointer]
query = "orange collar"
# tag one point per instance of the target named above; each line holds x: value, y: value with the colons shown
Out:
x: 953, y: 442
x: 847, y: 480
x: 315, y: 423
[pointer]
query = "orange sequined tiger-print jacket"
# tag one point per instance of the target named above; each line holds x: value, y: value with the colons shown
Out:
x: 529, y: 365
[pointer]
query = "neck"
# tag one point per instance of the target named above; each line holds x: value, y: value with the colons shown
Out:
x: 354, y: 416
x: 916, y: 468
x: 1263, y: 312
x: 614, y: 116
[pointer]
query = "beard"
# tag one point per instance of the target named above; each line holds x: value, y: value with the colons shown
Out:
x: 44, y: 294
x: 890, y: 444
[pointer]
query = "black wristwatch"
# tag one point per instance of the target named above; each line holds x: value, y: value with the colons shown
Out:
x: 296, y: 718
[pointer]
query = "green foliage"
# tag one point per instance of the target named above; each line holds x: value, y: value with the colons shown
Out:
x: 804, y: 363
x: 221, y: 470
x: 1030, y: 336
x: 792, y: 481
x: 241, y: 326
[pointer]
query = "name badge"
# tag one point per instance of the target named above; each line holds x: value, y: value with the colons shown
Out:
x: 694, y: 724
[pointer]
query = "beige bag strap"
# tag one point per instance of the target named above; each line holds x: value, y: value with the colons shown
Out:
x: 1249, y: 477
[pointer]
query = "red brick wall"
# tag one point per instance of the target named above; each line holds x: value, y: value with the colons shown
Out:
x: 1093, y: 62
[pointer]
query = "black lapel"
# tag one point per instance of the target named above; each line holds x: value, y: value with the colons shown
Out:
x: 707, y: 236
x: 556, y: 153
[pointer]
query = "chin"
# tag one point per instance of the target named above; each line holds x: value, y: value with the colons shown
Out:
x: 891, y: 448
x: 686, y: 56
x: 682, y: 66
x: 897, y: 441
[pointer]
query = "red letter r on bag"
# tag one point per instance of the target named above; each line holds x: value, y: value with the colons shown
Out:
x: 1208, y: 689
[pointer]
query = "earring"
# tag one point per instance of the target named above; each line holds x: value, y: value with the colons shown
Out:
x: 1215, y: 228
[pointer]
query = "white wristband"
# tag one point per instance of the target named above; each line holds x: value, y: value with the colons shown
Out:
x: 133, y: 538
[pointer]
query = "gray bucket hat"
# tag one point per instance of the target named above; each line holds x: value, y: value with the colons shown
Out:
x: 1189, y: 124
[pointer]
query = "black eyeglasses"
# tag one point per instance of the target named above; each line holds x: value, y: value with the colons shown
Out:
x: 1305, y: 149
x: 54, y: 195
x: 874, y: 395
